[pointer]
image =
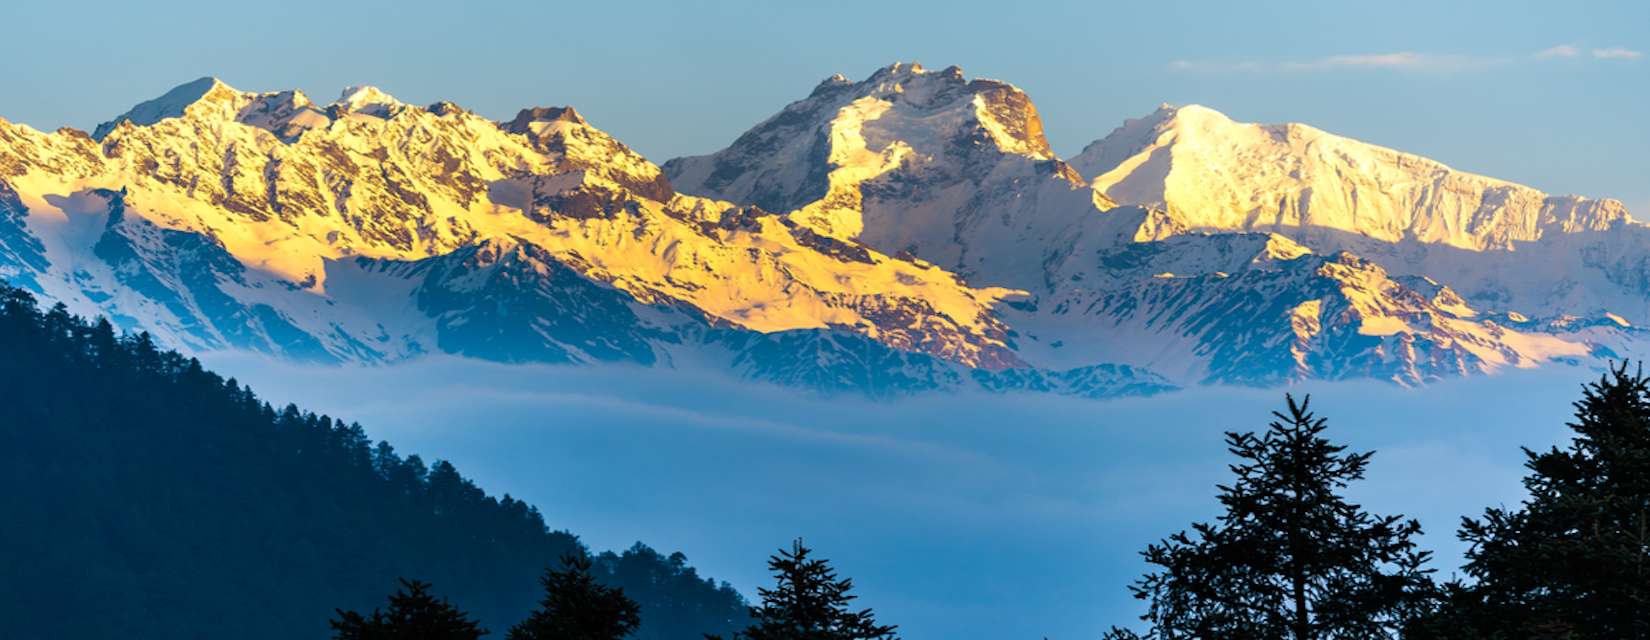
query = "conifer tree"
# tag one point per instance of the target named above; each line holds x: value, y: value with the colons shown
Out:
x: 1574, y: 560
x: 1290, y: 557
x: 413, y: 614
x: 809, y: 602
x: 576, y: 607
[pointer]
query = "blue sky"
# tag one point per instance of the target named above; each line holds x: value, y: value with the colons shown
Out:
x: 1548, y: 94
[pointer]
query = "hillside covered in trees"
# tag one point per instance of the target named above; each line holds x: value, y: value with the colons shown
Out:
x: 147, y: 497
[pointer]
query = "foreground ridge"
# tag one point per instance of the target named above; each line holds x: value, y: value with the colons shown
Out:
x: 151, y: 481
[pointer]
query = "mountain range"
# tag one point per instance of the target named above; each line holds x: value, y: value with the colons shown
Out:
x: 911, y: 231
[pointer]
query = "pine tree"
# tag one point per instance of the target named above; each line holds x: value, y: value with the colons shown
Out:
x: 576, y: 607
x: 1290, y: 558
x: 413, y: 614
x: 808, y: 602
x: 1574, y: 560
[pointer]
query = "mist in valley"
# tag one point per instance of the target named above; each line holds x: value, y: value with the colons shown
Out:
x: 957, y: 515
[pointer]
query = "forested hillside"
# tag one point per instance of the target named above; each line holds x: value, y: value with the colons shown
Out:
x: 147, y: 497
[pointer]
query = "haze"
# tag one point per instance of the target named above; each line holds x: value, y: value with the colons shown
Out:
x: 958, y: 516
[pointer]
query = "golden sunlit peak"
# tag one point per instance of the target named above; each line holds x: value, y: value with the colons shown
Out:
x: 366, y: 99
x: 901, y: 68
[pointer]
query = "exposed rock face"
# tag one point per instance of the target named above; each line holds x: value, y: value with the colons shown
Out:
x: 368, y: 229
x: 911, y: 231
x: 952, y: 170
x: 956, y: 172
x: 562, y: 132
x: 21, y: 254
x: 1303, y: 317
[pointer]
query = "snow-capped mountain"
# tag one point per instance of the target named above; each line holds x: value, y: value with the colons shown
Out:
x: 905, y: 232
x: 1130, y: 257
x: 1211, y: 173
x: 1502, y: 245
x: 918, y: 162
x: 1286, y: 314
x: 368, y: 229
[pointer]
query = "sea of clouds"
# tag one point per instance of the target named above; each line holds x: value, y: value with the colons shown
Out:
x: 958, y: 516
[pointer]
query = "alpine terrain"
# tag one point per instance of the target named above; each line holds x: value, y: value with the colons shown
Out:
x: 911, y: 231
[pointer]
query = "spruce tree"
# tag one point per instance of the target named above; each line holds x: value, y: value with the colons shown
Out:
x: 1290, y: 557
x: 576, y: 607
x: 413, y: 614
x: 809, y: 602
x: 1574, y: 560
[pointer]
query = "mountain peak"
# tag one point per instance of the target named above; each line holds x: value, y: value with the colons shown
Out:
x: 526, y: 117
x: 884, y: 161
x: 1194, y: 114
x: 900, y: 112
x: 287, y: 114
x: 1136, y: 134
x: 367, y: 100
x: 564, y: 134
x: 836, y: 81
x: 899, y: 68
x: 1212, y: 173
x: 204, y: 85
x: 170, y: 104
x: 292, y: 98
x: 902, y: 69
x: 913, y: 82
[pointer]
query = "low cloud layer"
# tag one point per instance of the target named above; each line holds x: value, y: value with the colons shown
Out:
x: 957, y: 515
x: 1411, y: 61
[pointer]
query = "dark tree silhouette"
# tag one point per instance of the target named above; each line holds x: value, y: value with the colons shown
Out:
x: 1574, y: 560
x: 413, y: 614
x: 1290, y: 558
x: 576, y: 607
x: 189, y: 507
x: 677, y: 600
x: 809, y: 602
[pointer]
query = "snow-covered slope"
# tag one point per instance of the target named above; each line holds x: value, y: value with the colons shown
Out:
x: 368, y: 229
x: 1212, y: 173
x: 1503, y: 245
x: 916, y: 162
x: 956, y: 172
x: 910, y: 231
x: 1276, y: 312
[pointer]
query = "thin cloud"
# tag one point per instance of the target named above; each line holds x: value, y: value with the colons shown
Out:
x: 1617, y: 53
x: 1401, y: 60
x: 1560, y: 51
x: 1409, y: 61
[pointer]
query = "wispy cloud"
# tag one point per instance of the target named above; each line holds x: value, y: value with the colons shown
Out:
x: 1411, y: 61
x: 1560, y: 51
x: 1401, y: 60
x: 1617, y: 53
